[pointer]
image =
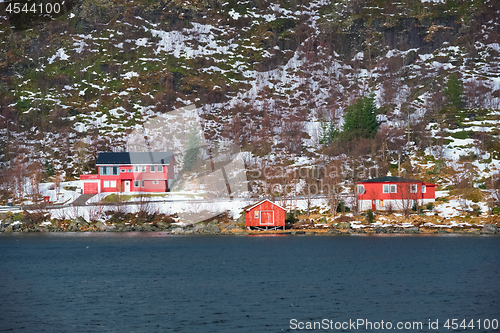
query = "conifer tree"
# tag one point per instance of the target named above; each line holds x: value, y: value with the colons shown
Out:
x: 454, y: 90
x: 193, y: 149
x: 360, y: 120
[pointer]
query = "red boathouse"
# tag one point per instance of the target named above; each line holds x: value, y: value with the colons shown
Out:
x: 265, y: 215
x: 131, y: 172
x: 393, y: 193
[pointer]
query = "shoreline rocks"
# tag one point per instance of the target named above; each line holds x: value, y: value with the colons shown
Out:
x: 215, y: 228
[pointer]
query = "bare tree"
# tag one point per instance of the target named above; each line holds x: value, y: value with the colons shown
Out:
x: 34, y: 180
x: 408, y: 192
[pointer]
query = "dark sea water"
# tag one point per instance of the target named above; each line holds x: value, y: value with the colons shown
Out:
x: 152, y: 282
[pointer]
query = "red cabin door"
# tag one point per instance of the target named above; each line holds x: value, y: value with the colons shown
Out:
x: 374, y: 205
x: 267, y: 217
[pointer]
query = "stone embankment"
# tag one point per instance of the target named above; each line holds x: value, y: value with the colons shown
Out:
x: 216, y: 228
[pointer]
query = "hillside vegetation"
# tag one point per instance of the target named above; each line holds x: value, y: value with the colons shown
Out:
x: 275, y: 77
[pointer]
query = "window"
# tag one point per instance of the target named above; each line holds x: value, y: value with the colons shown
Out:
x: 129, y: 170
x: 104, y: 170
x: 136, y: 183
x: 142, y: 183
x: 413, y: 188
x: 159, y: 168
x: 424, y: 189
x: 136, y: 169
x: 155, y: 182
x: 112, y: 183
x: 256, y: 214
x: 393, y: 188
x: 123, y: 170
x: 106, y: 183
x: 386, y: 188
x: 143, y: 168
x: 361, y: 188
x: 113, y: 170
x: 152, y: 168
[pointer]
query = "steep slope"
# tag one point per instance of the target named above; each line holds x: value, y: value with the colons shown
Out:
x: 263, y: 73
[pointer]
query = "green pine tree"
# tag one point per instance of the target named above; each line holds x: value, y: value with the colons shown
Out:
x: 193, y: 150
x: 328, y: 133
x: 360, y: 120
x: 454, y: 90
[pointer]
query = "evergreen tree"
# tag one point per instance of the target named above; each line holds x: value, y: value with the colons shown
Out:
x: 360, y: 120
x: 328, y: 133
x: 454, y: 90
x: 193, y: 150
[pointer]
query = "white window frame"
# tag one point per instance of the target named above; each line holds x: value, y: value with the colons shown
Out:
x: 361, y: 189
x: 112, y: 183
x: 413, y: 188
x: 424, y: 189
x: 152, y: 168
x: 136, y: 183
x: 104, y: 171
x: 159, y: 168
x: 385, y: 188
x: 394, y: 187
x: 105, y: 183
x: 142, y: 183
x: 123, y: 170
x: 143, y: 168
x: 155, y: 182
x: 136, y: 168
x: 129, y: 170
x: 256, y: 214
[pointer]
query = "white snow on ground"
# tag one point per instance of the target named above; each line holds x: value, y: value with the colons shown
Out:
x: 59, y: 54
x: 64, y: 196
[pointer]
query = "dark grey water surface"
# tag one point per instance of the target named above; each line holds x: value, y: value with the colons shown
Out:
x: 152, y: 282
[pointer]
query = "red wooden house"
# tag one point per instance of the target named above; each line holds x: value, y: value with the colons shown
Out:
x: 393, y: 193
x: 131, y: 172
x: 265, y: 215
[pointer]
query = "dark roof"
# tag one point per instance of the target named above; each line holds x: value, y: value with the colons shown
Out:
x: 390, y: 179
x: 135, y: 158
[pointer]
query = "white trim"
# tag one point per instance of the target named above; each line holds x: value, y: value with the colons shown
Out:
x: 262, y: 201
x: 260, y: 217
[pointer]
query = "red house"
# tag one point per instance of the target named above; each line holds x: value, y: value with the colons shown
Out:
x: 265, y: 215
x: 393, y: 193
x: 131, y: 172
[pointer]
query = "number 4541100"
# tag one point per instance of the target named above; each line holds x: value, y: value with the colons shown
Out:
x: 486, y: 324
x: 36, y: 8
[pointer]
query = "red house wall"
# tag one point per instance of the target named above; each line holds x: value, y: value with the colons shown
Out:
x: 279, y: 215
x: 374, y: 191
x: 148, y: 177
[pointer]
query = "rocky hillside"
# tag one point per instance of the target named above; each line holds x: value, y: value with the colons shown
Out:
x: 264, y: 74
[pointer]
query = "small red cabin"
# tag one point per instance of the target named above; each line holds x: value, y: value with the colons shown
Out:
x: 265, y: 215
x: 394, y: 193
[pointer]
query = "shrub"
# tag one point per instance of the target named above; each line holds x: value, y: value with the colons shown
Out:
x: 341, y: 207
x: 290, y: 218
x: 429, y: 206
x: 370, y: 216
x: 496, y: 210
x: 476, y: 210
